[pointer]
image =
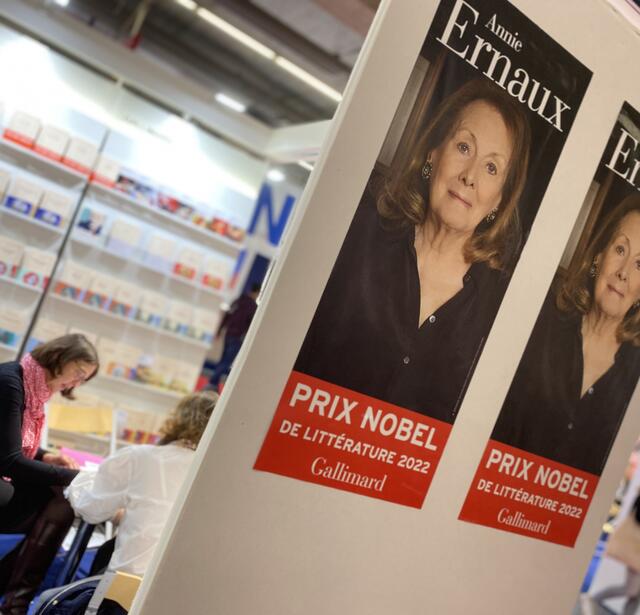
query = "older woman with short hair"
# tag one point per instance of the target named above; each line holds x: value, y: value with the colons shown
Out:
x: 425, y: 263
x: 37, y: 507
x: 582, y: 361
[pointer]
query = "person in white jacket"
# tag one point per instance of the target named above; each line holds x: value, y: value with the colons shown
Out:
x: 142, y: 483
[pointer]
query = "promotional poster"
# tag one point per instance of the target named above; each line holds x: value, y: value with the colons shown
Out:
x: 579, y: 369
x: 403, y: 319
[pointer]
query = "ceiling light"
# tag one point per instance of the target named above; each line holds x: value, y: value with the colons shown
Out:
x: 275, y: 175
x: 235, y: 33
x: 190, y: 5
x: 309, y: 79
x: 64, y: 3
x: 232, y: 103
x: 305, y: 165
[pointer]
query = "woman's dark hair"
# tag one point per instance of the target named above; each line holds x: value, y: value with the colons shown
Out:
x: 576, y: 292
x: 189, y: 419
x: 56, y: 354
x: 403, y: 198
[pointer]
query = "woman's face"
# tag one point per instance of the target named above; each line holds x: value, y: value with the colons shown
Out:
x: 72, y: 375
x: 470, y: 168
x: 617, y: 285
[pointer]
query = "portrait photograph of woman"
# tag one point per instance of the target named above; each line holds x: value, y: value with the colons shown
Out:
x: 438, y: 231
x: 582, y: 361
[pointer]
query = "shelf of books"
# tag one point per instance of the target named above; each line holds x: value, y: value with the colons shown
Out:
x: 41, y: 184
x: 138, y: 267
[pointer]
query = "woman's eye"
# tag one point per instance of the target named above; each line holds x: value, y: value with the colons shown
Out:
x: 492, y: 168
x: 463, y: 147
x: 620, y: 250
x: 637, y: 264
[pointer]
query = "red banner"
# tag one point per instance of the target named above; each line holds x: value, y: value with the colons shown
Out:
x: 326, y: 434
x: 519, y: 492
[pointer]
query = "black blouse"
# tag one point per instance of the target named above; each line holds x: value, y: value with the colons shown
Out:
x: 365, y: 335
x: 544, y: 412
x: 13, y: 464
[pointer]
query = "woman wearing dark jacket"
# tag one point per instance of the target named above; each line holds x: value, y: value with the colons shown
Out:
x: 582, y: 362
x: 37, y: 507
x: 426, y: 261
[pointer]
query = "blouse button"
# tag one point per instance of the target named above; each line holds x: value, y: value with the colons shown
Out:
x: 590, y: 391
x: 466, y: 278
x: 406, y: 360
x: 570, y: 426
x: 432, y: 318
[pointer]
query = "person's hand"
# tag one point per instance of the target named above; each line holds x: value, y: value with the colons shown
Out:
x: 118, y: 516
x: 63, y: 461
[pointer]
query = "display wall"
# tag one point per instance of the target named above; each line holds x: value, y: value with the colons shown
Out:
x: 268, y: 542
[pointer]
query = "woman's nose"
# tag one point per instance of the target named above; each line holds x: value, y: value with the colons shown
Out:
x: 622, y: 274
x: 467, y: 176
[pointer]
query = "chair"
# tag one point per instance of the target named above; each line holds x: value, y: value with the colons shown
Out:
x: 71, y: 561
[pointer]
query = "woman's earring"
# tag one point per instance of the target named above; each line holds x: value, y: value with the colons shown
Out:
x: 636, y: 305
x: 593, y: 270
x: 427, y: 170
x: 492, y: 215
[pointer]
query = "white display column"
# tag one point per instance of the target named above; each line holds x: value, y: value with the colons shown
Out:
x: 312, y: 495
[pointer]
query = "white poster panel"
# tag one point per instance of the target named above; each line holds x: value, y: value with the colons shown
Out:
x: 248, y: 541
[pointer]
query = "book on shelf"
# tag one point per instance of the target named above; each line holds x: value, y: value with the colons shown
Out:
x: 175, y: 206
x: 138, y: 189
x: 11, y: 252
x: 139, y: 427
x: 23, y: 129
x: 23, y: 196
x: 101, y: 290
x: 36, y: 267
x: 12, y: 326
x: 159, y: 252
x: 5, y: 180
x: 218, y: 225
x: 54, y: 209
x: 153, y: 307
x: 215, y: 273
x: 92, y: 221
x: 188, y: 262
x: 179, y: 318
x: 107, y: 351
x: 74, y: 280
x: 125, y: 361
x: 106, y: 171
x: 126, y: 300
x: 154, y: 370
x: 236, y: 233
x: 81, y: 155
x: 185, y: 377
x: 205, y: 324
x: 52, y: 142
x: 124, y: 237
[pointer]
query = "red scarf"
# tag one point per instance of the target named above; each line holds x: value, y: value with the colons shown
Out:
x: 36, y: 394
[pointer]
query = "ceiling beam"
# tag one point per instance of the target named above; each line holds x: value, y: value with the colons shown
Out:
x: 74, y: 39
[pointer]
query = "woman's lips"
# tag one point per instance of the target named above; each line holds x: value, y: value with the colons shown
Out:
x: 456, y: 196
x: 613, y: 289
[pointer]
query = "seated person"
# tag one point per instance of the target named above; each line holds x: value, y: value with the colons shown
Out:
x: 142, y: 483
